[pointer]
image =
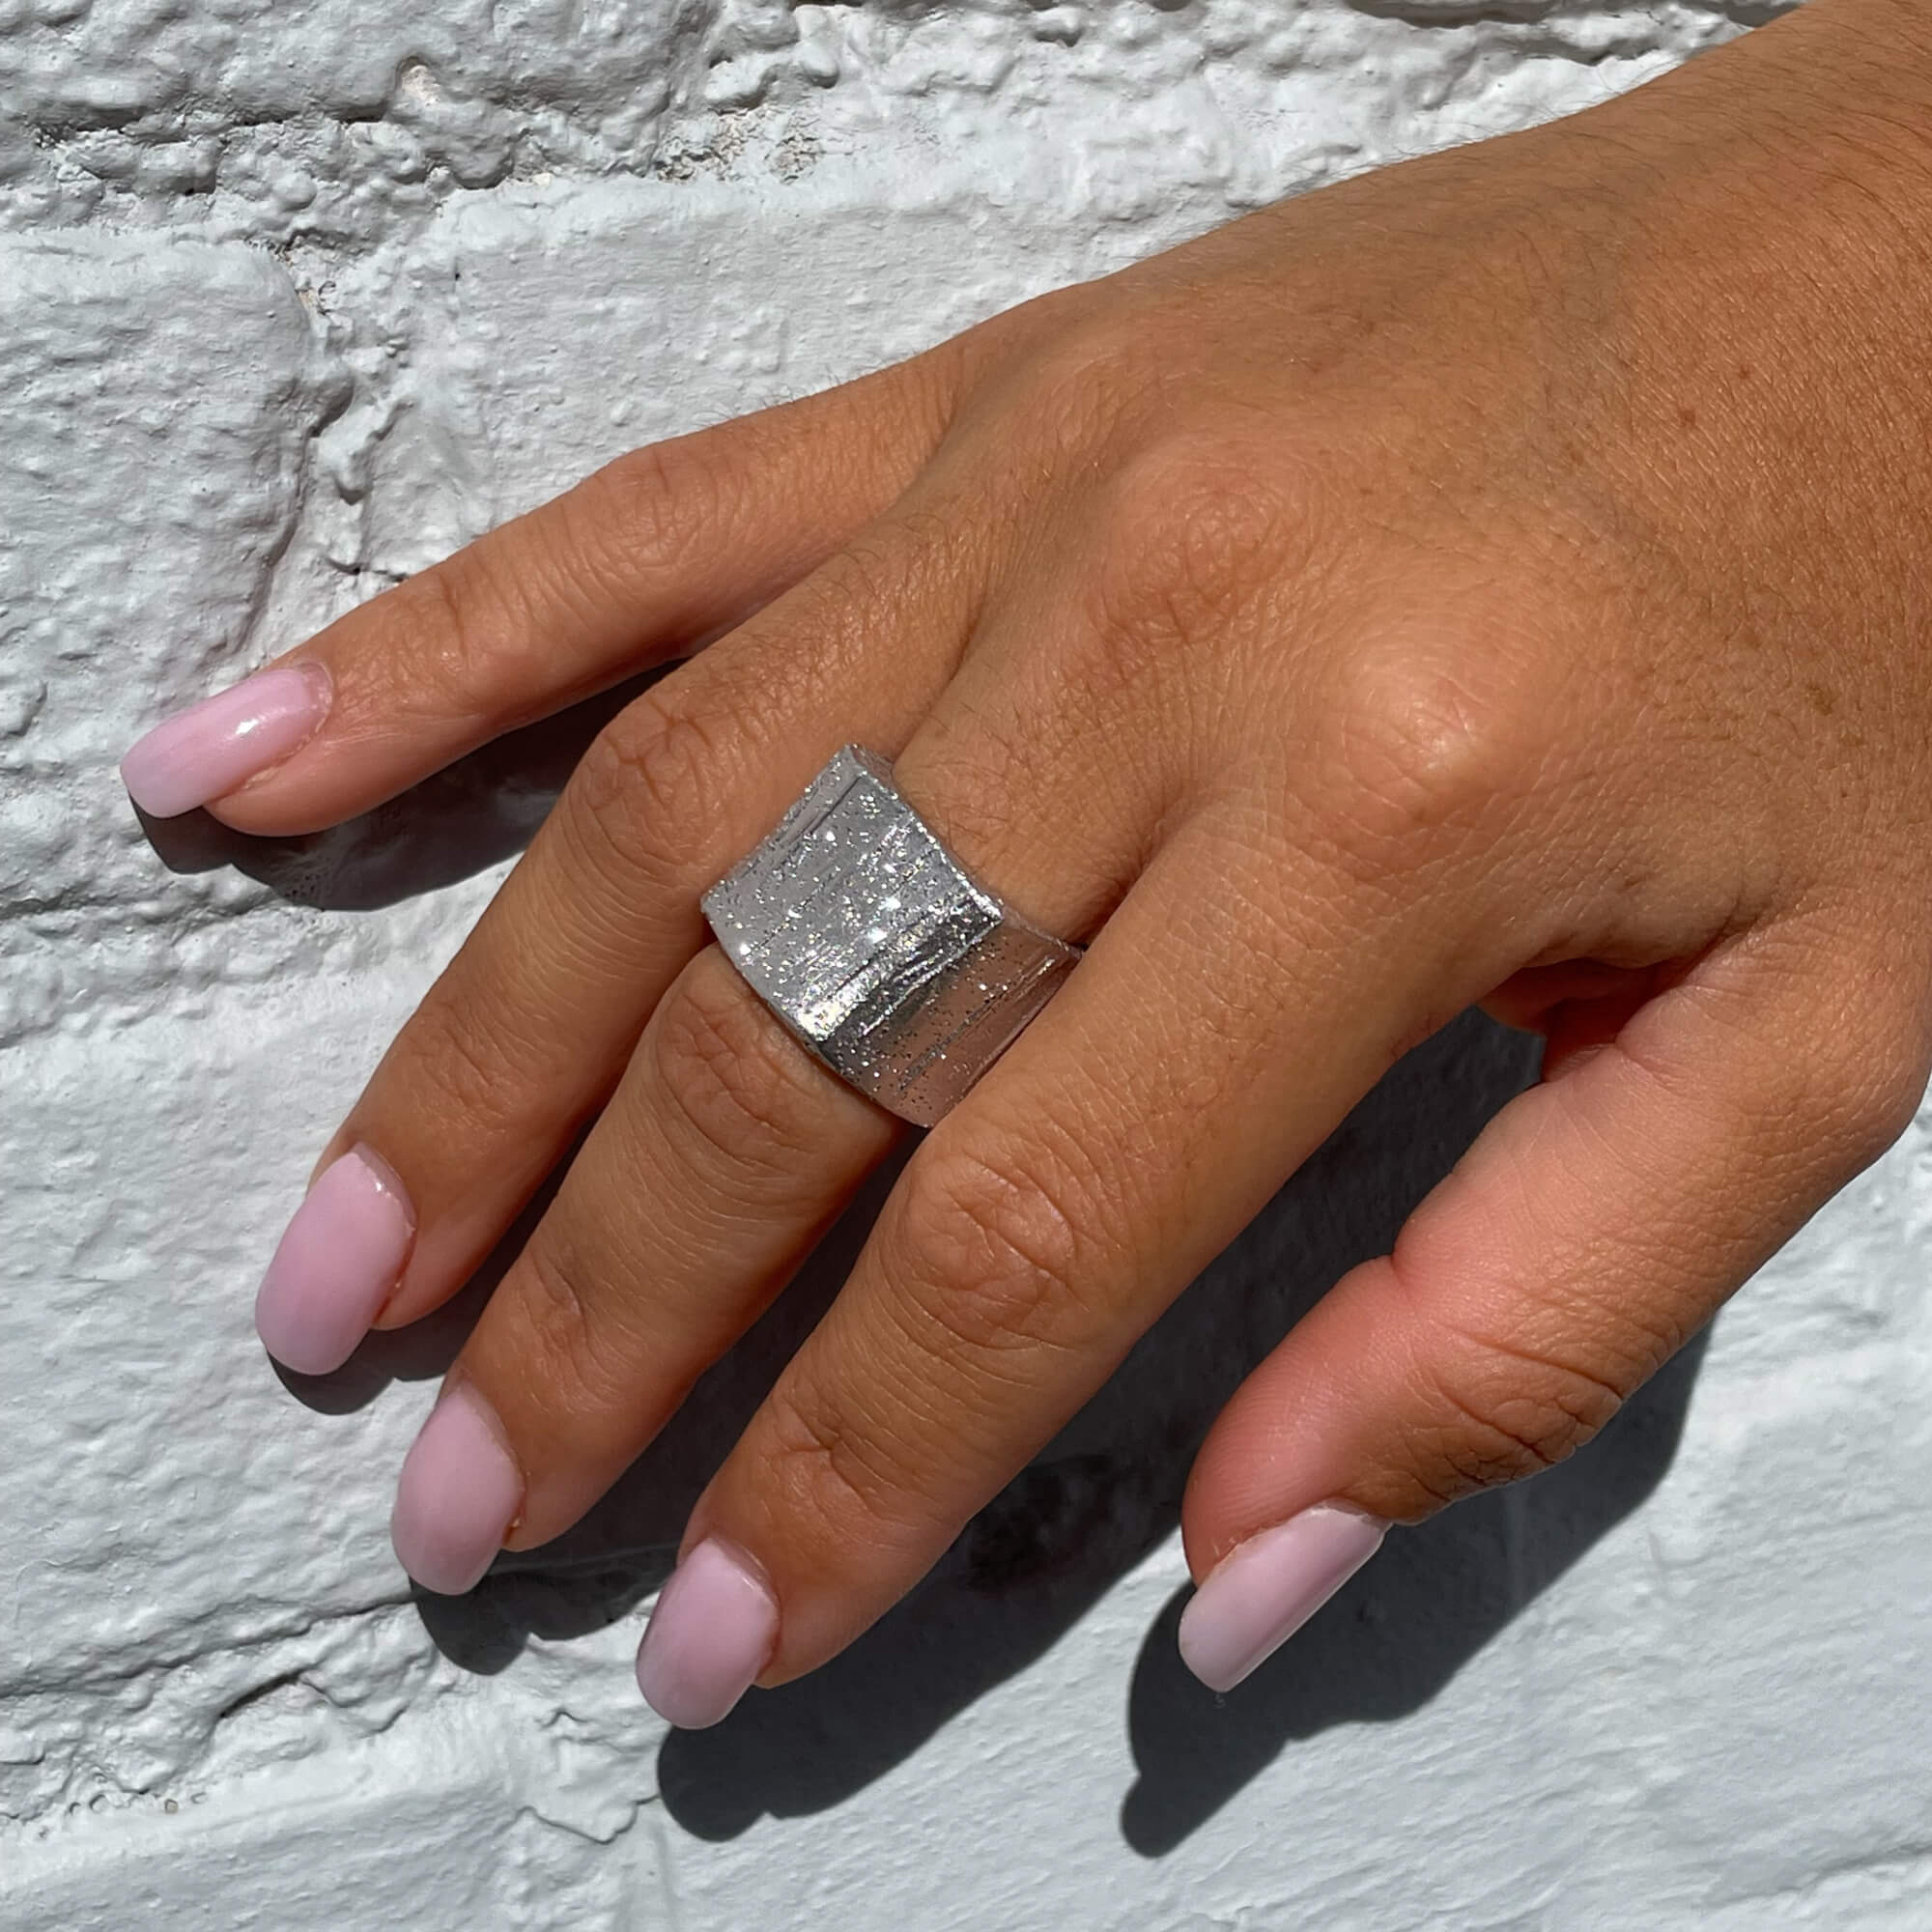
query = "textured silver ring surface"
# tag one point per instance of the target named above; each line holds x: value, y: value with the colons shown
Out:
x: 863, y: 934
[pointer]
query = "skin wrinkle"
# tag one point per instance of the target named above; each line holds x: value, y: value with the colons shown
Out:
x: 990, y: 1252
x: 1502, y: 561
x: 743, y: 1089
x: 1441, y: 1336
x: 567, y: 1358
x: 594, y: 939
x: 1416, y: 1261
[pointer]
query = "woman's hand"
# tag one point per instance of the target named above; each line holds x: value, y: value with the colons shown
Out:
x: 1501, y: 578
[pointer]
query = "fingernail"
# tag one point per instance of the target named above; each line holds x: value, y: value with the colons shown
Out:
x: 206, y: 751
x: 712, y: 1632
x: 335, y: 1264
x: 457, y: 1495
x: 1264, y: 1589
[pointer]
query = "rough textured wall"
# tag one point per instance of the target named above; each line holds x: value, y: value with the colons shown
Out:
x: 292, y: 299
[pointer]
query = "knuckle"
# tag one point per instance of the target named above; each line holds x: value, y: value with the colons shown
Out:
x: 740, y: 1088
x: 1490, y: 1415
x: 559, y: 1350
x: 1082, y: 385
x: 828, y: 1471
x: 651, y: 509
x: 457, y: 615
x: 1035, y: 330
x: 1426, y: 731
x: 652, y: 789
x: 1195, y: 533
x: 995, y: 1254
x: 465, y: 1064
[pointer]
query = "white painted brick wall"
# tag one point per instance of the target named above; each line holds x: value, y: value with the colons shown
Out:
x: 292, y: 300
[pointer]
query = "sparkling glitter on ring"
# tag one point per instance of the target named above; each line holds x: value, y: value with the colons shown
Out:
x: 856, y: 927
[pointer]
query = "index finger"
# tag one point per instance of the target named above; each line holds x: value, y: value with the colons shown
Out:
x: 637, y: 564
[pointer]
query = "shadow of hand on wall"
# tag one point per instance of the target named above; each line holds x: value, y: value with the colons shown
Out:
x: 1109, y: 1489
x: 1096, y: 1502
x: 462, y: 820
x: 1089, y: 1508
x: 1394, y: 1636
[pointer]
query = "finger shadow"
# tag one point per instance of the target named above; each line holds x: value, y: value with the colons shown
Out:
x: 460, y: 821
x: 454, y: 824
x: 1108, y: 1490
x: 1095, y: 1503
x: 423, y: 1350
x: 1399, y: 1632
x: 620, y: 1551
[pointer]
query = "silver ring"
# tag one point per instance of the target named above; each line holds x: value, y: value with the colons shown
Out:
x: 859, y: 930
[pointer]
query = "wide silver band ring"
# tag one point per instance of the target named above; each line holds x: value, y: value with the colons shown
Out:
x: 865, y: 936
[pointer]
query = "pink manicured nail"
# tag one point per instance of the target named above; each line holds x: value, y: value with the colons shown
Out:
x: 1264, y: 1589
x: 711, y: 1633
x: 206, y: 751
x: 335, y: 1264
x: 458, y: 1496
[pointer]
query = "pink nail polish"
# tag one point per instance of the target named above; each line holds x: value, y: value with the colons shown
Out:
x: 457, y: 1495
x: 1264, y: 1589
x: 335, y: 1265
x: 208, y: 751
x: 713, y: 1630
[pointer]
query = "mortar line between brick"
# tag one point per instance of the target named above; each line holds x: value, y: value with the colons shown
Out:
x: 99, y: 1680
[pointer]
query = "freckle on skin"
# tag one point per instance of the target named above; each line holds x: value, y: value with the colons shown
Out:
x: 1822, y: 699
